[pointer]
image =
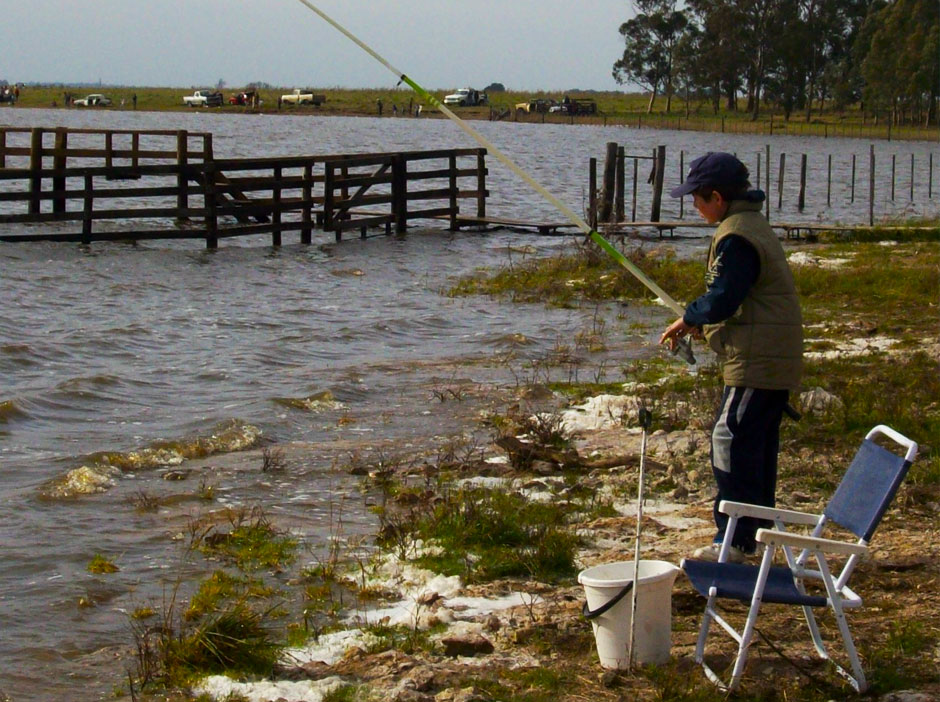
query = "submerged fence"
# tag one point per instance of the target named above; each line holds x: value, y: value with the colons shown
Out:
x: 156, y: 185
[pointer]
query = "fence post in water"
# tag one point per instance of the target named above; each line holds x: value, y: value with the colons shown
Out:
x: 682, y: 179
x: 636, y: 168
x: 182, y: 181
x: 328, y: 196
x: 893, y: 159
x: 618, y: 193
x: 307, y: 197
x: 452, y: 187
x: 912, y: 177
x: 35, y: 165
x: 135, y: 150
x: 929, y: 177
x: 660, y: 172
x: 852, y: 192
x: 871, y: 185
x: 783, y: 162
x: 89, y: 204
x: 3, y: 147
x: 592, y: 192
x: 59, y: 163
x: 767, y: 181
x: 829, y: 182
x: 608, y: 185
x: 276, y: 207
x: 400, y: 192
x: 481, y: 183
x: 802, y: 200
x: 109, y: 150
x: 209, y: 202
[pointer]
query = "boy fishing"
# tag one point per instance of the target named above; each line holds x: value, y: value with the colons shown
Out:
x: 750, y: 316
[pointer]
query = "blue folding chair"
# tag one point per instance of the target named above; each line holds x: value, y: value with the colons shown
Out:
x: 860, y: 501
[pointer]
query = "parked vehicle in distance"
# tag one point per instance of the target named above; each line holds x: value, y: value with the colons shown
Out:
x: 303, y: 97
x: 578, y: 106
x: 246, y: 97
x: 537, y: 105
x: 93, y: 100
x: 204, y: 98
x: 466, y: 97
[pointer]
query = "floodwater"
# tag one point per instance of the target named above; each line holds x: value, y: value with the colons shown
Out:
x: 162, y: 352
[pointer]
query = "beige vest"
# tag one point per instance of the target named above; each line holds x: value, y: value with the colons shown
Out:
x: 761, y: 345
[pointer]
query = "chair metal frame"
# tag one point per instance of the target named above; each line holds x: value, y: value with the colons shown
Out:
x: 839, y: 596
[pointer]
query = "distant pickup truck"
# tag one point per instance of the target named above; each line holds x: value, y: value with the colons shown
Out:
x: 466, y: 97
x: 203, y: 98
x: 580, y: 106
x: 303, y: 97
x: 537, y: 105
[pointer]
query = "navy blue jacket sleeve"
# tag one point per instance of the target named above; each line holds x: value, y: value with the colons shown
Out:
x: 731, y: 276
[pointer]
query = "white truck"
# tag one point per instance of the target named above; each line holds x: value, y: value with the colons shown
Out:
x: 303, y: 97
x: 466, y: 97
x: 203, y: 98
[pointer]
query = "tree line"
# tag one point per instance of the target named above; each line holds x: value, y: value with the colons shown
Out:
x: 797, y: 55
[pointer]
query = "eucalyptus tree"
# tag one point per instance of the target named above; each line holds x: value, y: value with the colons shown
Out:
x: 650, y: 42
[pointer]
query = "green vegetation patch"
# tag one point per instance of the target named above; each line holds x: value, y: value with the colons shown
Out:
x: 102, y: 565
x: 487, y: 534
x: 586, y: 274
x: 252, y: 543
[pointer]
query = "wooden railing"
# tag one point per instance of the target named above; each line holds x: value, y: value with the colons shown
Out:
x: 207, y: 198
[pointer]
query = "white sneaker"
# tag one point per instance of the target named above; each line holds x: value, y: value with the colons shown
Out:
x: 710, y: 553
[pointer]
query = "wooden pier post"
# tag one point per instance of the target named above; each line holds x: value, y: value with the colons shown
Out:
x: 307, y: 229
x: 35, y: 165
x: 210, y: 203
x: 618, y: 189
x: 135, y: 150
x: 109, y: 150
x: 182, y: 176
x: 400, y: 193
x: 276, y: 207
x: 767, y: 181
x: 893, y: 159
x: 481, y: 183
x: 636, y: 169
x: 802, y: 200
x: 871, y: 185
x: 59, y: 163
x: 452, y: 187
x: 87, y: 209
x: 829, y: 182
x: 912, y: 177
x: 783, y: 163
x: 682, y: 179
x: 3, y: 147
x: 852, y: 192
x: 658, y: 177
x: 328, y: 196
x: 592, y: 192
x: 608, y: 185
x: 929, y: 177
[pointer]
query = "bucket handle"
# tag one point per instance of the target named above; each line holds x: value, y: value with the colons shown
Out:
x: 588, y: 613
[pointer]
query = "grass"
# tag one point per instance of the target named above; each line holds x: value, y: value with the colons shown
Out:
x: 102, y: 565
x: 488, y: 534
x: 252, y: 543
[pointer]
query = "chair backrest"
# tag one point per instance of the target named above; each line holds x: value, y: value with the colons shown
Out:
x: 866, y: 490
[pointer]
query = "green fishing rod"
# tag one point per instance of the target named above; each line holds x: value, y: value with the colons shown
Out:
x: 683, y: 347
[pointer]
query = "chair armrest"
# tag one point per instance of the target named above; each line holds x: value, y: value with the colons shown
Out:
x: 771, y: 537
x: 743, y: 509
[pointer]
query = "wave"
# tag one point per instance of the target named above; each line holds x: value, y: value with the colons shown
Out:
x: 318, y: 402
x: 10, y: 410
x: 101, y: 469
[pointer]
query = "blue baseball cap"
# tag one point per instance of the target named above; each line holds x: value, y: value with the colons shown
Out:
x: 714, y: 169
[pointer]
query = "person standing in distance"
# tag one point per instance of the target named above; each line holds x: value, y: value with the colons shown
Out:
x: 750, y: 316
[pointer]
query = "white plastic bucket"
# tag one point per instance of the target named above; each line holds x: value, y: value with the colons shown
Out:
x: 653, y: 634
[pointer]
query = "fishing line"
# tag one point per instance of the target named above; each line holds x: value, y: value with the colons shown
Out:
x: 509, y: 163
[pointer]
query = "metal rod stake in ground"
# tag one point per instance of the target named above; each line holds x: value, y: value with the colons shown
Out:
x: 646, y: 419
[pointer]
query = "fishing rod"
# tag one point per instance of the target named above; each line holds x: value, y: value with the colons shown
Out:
x: 683, y: 346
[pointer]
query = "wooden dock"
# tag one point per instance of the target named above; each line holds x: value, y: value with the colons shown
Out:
x: 135, y: 185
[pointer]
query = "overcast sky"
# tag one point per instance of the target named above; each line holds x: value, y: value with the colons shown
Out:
x: 524, y: 44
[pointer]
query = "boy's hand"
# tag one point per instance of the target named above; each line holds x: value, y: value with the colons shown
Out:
x: 676, y: 331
